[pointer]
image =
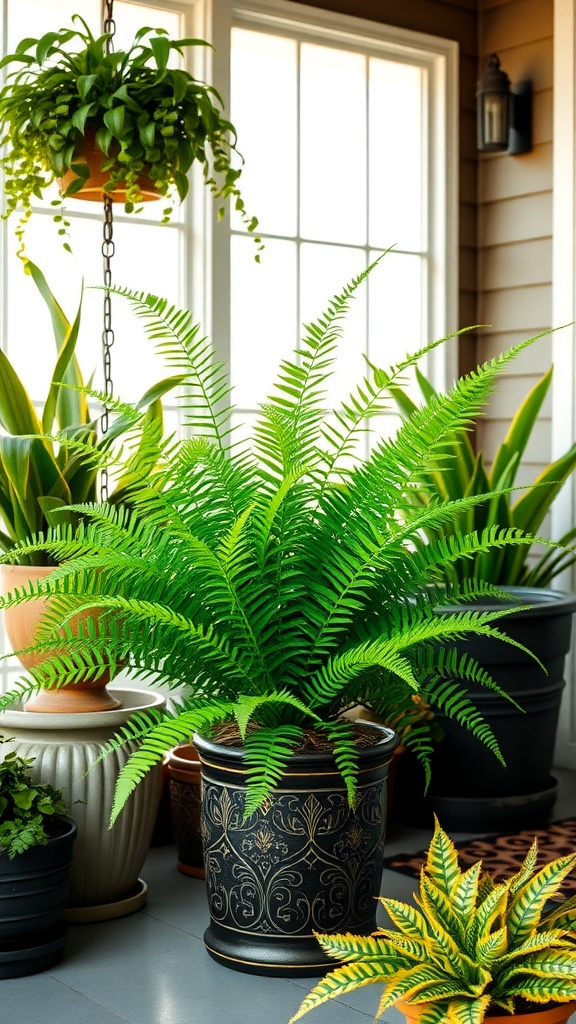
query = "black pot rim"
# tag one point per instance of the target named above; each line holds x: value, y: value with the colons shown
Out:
x: 64, y: 837
x: 385, y: 745
x: 545, y: 602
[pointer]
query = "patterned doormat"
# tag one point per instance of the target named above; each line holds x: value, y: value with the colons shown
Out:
x: 503, y: 854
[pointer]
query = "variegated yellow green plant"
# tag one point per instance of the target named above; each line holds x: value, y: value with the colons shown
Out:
x: 470, y: 947
x: 465, y: 472
x: 40, y: 474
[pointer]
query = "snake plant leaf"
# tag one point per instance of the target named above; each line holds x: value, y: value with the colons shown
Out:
x: 65, y: 355
x: 54, y: 512
x: 520, y: 430
x: 71, y: 404
x: 493, y: 946
x: 149, y: 400
x: 15, y: 459
x: 463, y: 474
x: 488, y: 914
x: 530, y: 509
x: 448, y: 927
x: 17, y: 414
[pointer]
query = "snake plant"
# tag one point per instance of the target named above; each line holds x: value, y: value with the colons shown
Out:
x: 275, y: 586
x: 465, y: 472
x: 471, y: 945
x: 40, y: 475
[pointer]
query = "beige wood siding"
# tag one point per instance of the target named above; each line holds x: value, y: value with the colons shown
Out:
x: 515, y: 223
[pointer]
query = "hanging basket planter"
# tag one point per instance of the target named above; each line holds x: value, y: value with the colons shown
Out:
x: 96, y: 186
x: 147, y: 121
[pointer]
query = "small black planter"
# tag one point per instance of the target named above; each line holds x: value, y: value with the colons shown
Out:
x: 33, y: 891
x: 470, y: 789
x: 303, y: 862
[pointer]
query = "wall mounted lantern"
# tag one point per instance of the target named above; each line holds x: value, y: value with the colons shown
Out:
x: 504, y: 113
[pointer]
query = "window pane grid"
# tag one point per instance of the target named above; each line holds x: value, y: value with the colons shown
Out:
x: 346, y: 201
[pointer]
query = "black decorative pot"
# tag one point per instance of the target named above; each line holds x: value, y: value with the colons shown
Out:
x: 471, y: 789
x: 33, y: 892
x: 304, y: 862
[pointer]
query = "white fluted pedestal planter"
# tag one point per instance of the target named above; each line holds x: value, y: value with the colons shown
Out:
x: 105, y: 881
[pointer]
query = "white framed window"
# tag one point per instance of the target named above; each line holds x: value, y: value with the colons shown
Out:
x: 349, y: 131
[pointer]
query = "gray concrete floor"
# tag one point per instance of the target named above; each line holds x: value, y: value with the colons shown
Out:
x: 152, y: 968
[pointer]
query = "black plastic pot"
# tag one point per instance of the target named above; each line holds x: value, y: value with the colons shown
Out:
x: 471, y: 789
x: 33, y: 891
x: 304, y: 862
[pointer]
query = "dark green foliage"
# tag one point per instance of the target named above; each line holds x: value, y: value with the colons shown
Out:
x: 460, y: 471
x: 25, y: 807
x: 151, y: 120
x: 277, y: 588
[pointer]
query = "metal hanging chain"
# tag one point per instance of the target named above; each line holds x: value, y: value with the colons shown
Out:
x: 108, y: 28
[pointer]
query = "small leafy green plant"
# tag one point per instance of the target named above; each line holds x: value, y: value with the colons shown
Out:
x: 150, y: 120
x: 26, y: 807
x: 460, y: 471
x: 277, y: 584
x: 471, y: 945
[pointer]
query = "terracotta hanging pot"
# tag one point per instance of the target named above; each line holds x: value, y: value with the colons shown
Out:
x: 93, y: 189
x: 21, y: 623
x: 557, y: 1013
x: 185, y: 805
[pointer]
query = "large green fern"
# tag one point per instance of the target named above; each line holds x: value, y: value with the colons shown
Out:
x: 470, y: 945
x: 280, y: 585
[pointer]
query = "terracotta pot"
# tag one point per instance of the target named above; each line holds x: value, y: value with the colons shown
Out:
x: 185, y: 805
x: 559, y: 1013
x: 93, y: 190
x: 21, y: 623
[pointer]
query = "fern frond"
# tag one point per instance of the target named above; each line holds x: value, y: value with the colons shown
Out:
x: 265, y: 753
x: 206, y: 392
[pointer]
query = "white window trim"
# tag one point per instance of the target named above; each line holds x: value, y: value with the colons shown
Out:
x: 441, y: 58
